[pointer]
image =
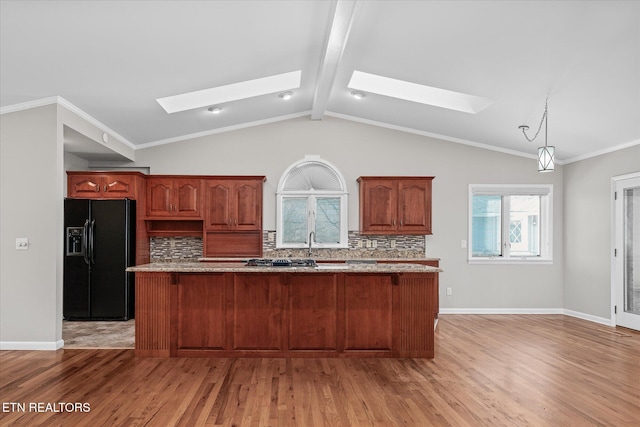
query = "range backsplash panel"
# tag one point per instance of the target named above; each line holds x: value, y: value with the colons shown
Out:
x: 360, y: 246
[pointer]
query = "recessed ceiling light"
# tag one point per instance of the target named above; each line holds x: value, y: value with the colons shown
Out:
x: 231, y: 92
x: 357, y: 94
x: 286, y: 95
x: 215, y: 110
x: 418, y: 93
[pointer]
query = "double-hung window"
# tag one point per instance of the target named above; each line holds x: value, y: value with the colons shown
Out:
x: 510, y: 223
x: 312, y: 206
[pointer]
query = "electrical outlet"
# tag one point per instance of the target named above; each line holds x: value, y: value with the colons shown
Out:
x: 22, y: 243
x: 449, y: 292
x: 392, y: 243
x: 271, y: 236
x: 360, y: 243
x: 463, y: 244
x: 374, y: 243
x: 369, y: 244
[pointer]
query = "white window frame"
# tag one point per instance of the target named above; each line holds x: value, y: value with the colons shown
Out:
x: 312, y: 196
x: 546, y: 222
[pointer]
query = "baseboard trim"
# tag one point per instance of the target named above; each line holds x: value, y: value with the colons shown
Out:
x: 589, y: 317
x: 31, y: 345
x: 577, y: 314
x: 501, y: 310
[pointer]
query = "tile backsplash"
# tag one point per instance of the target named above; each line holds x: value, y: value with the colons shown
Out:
x: 175, y: 248
x: 360, y: 246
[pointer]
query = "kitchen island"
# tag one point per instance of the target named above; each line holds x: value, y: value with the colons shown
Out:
x: 332, y: 310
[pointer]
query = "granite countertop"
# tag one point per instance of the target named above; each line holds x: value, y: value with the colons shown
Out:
x: 234, y: 267
x: 336, y: 260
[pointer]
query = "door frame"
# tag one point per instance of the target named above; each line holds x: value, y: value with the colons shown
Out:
x: 614, y: 275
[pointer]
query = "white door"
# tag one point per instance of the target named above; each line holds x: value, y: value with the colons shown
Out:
x: 627, y: 251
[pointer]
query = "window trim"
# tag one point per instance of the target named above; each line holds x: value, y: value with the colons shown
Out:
x: 546, y: 221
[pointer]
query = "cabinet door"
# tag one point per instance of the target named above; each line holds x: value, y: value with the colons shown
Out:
x: 118, y: 187
x: 247, y: 205
x: 219, y: 205
x: 414, y: 206
x: 313, y: 307
x: 159, y: 202
x: 84, y: 186
x: 201, y: 311
x: 368, y: 312
x: 258, y: 308
x: 379, y: 206
x: 187, y: 197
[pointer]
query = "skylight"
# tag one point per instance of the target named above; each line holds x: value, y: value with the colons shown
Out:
x: 231, y: 92
x: 418, y: 93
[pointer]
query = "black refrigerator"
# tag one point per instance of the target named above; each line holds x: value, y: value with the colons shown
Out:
x: 99, y: 246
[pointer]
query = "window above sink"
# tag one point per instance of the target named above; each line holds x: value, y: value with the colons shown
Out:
x: 312, y: 204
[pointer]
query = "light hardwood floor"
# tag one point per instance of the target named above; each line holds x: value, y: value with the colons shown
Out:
x: 489, y: 370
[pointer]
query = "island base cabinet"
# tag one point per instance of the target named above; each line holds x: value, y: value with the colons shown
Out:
x: 313, y: 312
x: 153, y: 314
x: 285, y: 314
x: 368, y: 310
x: 415, y: 299
x: 201, y: 312
x: 257, y: 312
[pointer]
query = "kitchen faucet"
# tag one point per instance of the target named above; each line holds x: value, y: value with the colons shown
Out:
x: 311, y: 241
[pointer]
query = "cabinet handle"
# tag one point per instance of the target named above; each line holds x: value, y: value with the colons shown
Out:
x: 105, y: 188
x: 394, y: 222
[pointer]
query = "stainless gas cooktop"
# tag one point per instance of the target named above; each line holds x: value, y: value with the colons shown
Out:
x: 281, y: 262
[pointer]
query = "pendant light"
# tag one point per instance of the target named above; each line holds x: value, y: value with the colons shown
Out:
x: 546, y: 154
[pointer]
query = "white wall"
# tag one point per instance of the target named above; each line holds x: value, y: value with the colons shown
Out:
x: 32, y: 189
x: 358, y: 149
x: 31, y: 186
x: 587, y: 183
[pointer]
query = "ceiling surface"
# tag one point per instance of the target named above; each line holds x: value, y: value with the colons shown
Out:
x: 113, y: 59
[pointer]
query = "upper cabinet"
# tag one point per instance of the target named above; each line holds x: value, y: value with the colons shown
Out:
x: 233, y: 216
x: 174, y: 197
x: 395, y: 205
x: 233, y: 204
x: 89, y: 185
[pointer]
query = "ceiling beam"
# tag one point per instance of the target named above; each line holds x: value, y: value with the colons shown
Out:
x: 334, y: 46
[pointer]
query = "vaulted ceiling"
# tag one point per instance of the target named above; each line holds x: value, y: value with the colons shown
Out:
x: 113, y: 59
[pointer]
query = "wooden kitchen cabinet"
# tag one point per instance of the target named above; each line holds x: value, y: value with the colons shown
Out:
x: 201, y: 312
x: 233, y: 216
x: 313, y: 312
x: 368, y: 306
x: 258, y: 307
x: 114, y: 185
x: 225, y: 312
x: 89, y: 185
x: 173, y: 197
x: 395, y: 205
x: 234, y: 204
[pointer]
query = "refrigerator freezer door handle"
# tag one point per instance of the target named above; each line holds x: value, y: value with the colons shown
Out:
x: 91, y: 247
x: 85, y: 238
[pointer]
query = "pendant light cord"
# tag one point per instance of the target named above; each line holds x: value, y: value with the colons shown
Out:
x: 544, y: 116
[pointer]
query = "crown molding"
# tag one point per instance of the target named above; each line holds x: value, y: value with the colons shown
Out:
x: 601, y: 152
x: 60, y: 101
x: 435, y: 135
x: 222, y: 130
x: 29, y: 105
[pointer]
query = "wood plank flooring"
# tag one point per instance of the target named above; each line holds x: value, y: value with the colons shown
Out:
x: 489, y: 370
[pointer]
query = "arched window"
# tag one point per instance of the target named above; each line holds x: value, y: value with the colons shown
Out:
x: 312, y: 204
